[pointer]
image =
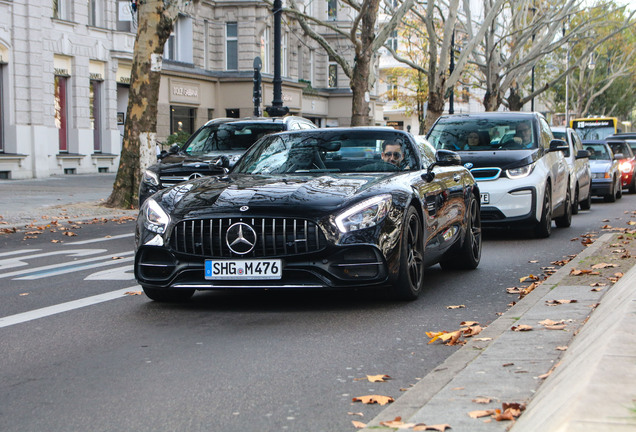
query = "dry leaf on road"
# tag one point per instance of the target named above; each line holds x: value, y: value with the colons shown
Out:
x: 521, y: 328
x: 371, y: 399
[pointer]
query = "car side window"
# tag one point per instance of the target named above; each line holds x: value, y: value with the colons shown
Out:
x: 578, y: 145
x: 545, y: 134
x: 426, y: 150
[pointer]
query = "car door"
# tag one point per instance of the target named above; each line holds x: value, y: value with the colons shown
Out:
x: 583, y: 172
x: 556, y: 164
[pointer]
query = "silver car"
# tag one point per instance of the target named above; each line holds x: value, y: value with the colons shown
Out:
x: 579, y: 164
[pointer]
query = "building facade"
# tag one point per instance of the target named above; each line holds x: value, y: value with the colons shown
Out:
x: 65, y: 75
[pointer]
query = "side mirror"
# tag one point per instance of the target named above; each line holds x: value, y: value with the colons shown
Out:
x: 174, y: 149
x: 222, y: 162
x: 582, y: 154
x: 558, y: 145
x: 442, y: 158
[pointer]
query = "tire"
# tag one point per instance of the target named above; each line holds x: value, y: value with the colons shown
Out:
x: 575, y: 201
x: 619, y: 192
x: 410, y: 280
x: 168, y: 295
x: 587, y: 203
x: 611, y: 197
x: 632, y: 186
x: 544, y: 227
x: 565, y: 220
x: 466, y: 256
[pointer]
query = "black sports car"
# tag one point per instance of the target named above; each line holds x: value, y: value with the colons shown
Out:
x: 324, y: 208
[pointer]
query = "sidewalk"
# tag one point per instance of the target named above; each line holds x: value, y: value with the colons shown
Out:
x: 74, y: 197
x: 579, y: 374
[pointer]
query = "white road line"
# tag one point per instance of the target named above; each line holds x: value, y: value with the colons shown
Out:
x: 64, y: 307
x: 20, y: 261
x: 18, y: 252
x: 95, y: 240
x: 68, y: 265
x: 73, y: 268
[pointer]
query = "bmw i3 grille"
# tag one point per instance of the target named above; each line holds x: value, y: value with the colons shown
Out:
x: 246, y: 237
x: 484, y: 174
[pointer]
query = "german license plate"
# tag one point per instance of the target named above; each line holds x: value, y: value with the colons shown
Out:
x: 243, y: 269
x: 485, y: 198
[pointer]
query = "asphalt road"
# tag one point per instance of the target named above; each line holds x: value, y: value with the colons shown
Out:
x: 78, y: 354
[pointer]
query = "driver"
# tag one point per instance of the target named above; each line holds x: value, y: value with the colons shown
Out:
x: 523, y: 135
x: 392, y: 153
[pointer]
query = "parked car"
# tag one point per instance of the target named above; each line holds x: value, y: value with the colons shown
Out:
x: 298, y: 211
x: 520, y: 168
x: 626, y: 163
x: 606, y: 177
x: 579, y: 165
x: 215, y: 146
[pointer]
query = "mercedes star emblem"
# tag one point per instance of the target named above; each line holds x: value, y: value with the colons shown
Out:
x: 195, y: 176
x: 244, y: 208
x: 240, y: 238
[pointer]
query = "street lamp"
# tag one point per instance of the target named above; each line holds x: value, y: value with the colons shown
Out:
x: 277, y: 109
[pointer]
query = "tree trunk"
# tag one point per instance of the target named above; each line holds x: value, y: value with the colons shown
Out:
x: 492, y: 100
x: 515, y: 103
x: 138, y: 149
x: 434, y: 110
x: 359, y: 87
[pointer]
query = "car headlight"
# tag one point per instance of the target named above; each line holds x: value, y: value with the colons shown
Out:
x: 516, y: 173
x: 155, y: 217
x: 365, y: 214
x: 151, y: 178
x: 601, y: 175
x: 625, y: 167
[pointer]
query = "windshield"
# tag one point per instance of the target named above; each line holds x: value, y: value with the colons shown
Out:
x: 597, y: 152
x: 321, y: 152
x: 228, y: 137
x: 478, y: 134
x: 595, y: 133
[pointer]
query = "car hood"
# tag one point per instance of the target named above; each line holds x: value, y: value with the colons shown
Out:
x: 504, y: 159
x: 276, y: 196
x: 597, y: 166
x: 179, y: 160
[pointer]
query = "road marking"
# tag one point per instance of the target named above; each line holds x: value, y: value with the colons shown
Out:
x: 68, y: 267
x: 95, y: 240
x: 118, y: 273
x: 20, y: 262
x: 18, y: 252
x: 64, y: 307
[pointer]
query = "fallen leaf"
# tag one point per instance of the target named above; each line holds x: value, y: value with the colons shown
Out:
x: 55, y: 241
x: 507, y: 364
x: 482, y: 400
x: 481, y: 413
x: 132, y: 293
x: 521, y: 328
x: 598, y: 284
x: 483, y: 339
x: 397, y: 423
x: 603, y: 265
x: 456, y: 307
x: 438, y: 427
x: 358, y: 425
x: 371, y: 399
x: 513, y: 290
x: 561, y: 348
x: 24, y: 294
x: 356, y: 414
x: 378, y: 378
x: 70, y: 233
x: 559, y: 302
x: 529, y: 277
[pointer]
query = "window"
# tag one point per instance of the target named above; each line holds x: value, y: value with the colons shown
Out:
x: 206, y: 43
x: 61, y: 9
x: 178, y: 47
x: 333, y: 73
x: 392, y: 41
x: 1, y: 108
x: 231, y: 46
x: 96, y: 113
x: 265, y: 50
x: 332, y: 10
x: 465, y: 94
x: 182, y: 119
x: 125, y: 17
x: 392, y: 89
x: 301, y: 62
x: 232, y: 112
x: 311, y: 67
x: 61, y: 111
x: 96, y: 13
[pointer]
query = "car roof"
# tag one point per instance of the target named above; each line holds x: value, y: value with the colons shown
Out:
x: 251, y: 120
x: 495, y: 114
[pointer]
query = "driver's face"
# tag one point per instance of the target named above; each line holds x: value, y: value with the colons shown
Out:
x: 393, y: 154
x: 525, y: 133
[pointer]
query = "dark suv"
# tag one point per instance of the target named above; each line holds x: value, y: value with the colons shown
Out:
x: 212, y: 149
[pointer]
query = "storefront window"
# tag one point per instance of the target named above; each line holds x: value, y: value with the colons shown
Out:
x: 95, y: 114
x: 182, y: 119
x: 60, y: 111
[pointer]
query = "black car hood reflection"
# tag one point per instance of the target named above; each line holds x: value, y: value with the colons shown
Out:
x: 311, y: 194
x: 504, y: 159
x: 179, y: 161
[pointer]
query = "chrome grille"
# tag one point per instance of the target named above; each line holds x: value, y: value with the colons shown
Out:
x: 486, y: 173
x: 275, y: 237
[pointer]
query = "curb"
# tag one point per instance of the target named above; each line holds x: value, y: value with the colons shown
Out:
x: 435, y: 399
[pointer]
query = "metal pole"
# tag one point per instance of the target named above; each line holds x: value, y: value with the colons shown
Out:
x: 451, y: 107
x: 277, y: 109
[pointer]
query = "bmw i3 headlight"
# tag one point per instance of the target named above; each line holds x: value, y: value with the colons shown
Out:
x: 517, y: 173
x: 365, y: 214
x: 151, y: 178
x: 156, y: 219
